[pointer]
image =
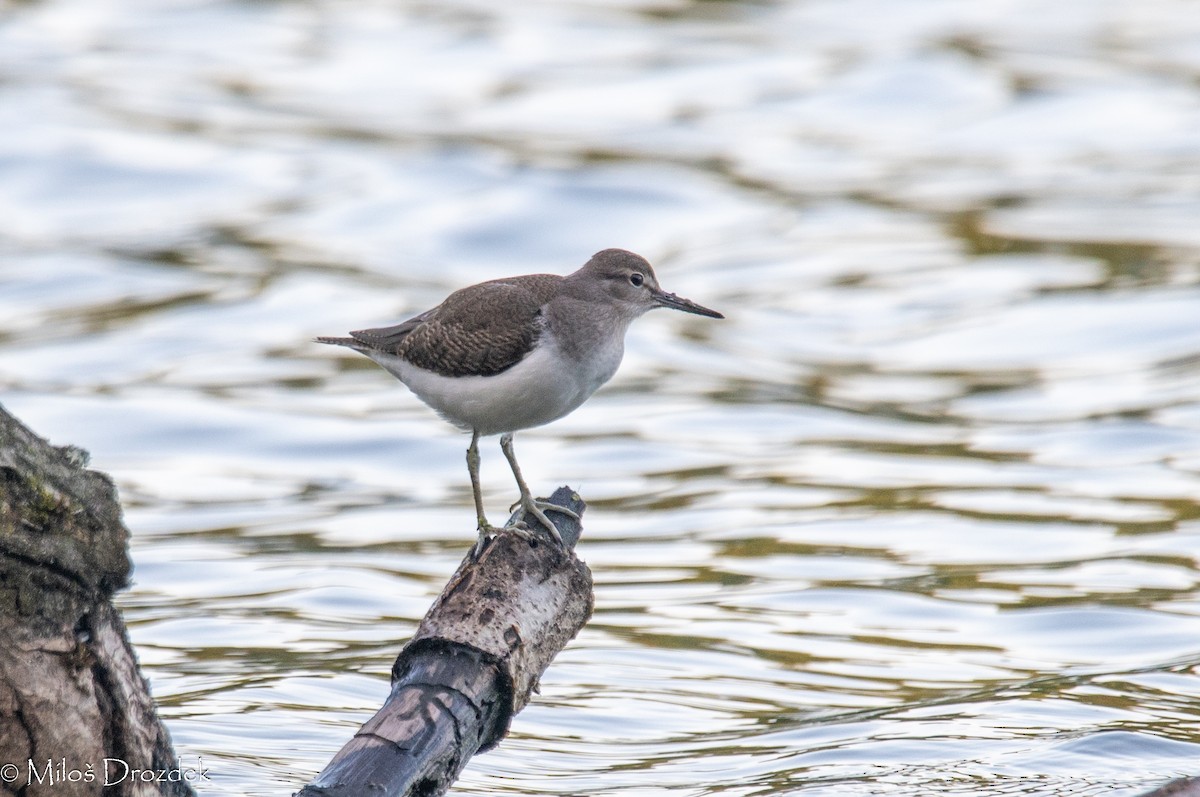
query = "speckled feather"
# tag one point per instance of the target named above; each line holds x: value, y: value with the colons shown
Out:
x: 481, y: 330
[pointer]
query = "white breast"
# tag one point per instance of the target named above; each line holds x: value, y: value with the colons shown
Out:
x: 544, y: 386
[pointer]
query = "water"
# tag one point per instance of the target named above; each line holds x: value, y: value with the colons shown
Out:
x: 921, y: 517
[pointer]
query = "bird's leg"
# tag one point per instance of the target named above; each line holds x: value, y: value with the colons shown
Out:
x: 473, y: 467
x: 530, y: 504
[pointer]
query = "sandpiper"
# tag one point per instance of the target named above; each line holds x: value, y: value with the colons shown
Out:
x: 513, y: 353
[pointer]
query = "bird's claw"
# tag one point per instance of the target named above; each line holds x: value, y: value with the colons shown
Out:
x: 522, y: 530
x: 534, y: 507
x: 486, y: 530
x: 542, y: 506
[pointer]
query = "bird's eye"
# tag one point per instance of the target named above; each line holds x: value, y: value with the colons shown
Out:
x: 636, y: 279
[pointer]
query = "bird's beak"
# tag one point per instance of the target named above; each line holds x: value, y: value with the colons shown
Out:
x: 664, y: 299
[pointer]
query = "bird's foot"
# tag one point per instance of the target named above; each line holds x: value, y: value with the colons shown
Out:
x: 543, y: 505
x: 522, y: 531
x: 537, y: 508
x: 486, y: 530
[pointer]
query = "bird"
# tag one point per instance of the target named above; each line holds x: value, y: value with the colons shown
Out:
x: 519, y: 352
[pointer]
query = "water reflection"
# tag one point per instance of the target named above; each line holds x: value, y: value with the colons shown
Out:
x: 920, y: 518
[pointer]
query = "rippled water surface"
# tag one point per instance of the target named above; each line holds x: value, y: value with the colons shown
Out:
x: 921, y: 517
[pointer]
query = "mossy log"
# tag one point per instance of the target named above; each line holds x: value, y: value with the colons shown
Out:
x: 76, y: 716
x: 473, y: 663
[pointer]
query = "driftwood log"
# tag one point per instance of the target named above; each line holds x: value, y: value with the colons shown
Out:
x: 473, y: 663
x: 76, y: 716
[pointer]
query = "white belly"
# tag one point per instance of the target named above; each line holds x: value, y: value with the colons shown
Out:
x: 541, y: 388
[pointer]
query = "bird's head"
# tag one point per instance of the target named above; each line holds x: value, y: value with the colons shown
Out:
x: 628, y: 280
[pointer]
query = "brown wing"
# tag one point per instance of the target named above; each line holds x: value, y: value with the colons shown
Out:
x: 478, y: 331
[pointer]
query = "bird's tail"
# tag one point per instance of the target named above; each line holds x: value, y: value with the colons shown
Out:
x: 337, y: 341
